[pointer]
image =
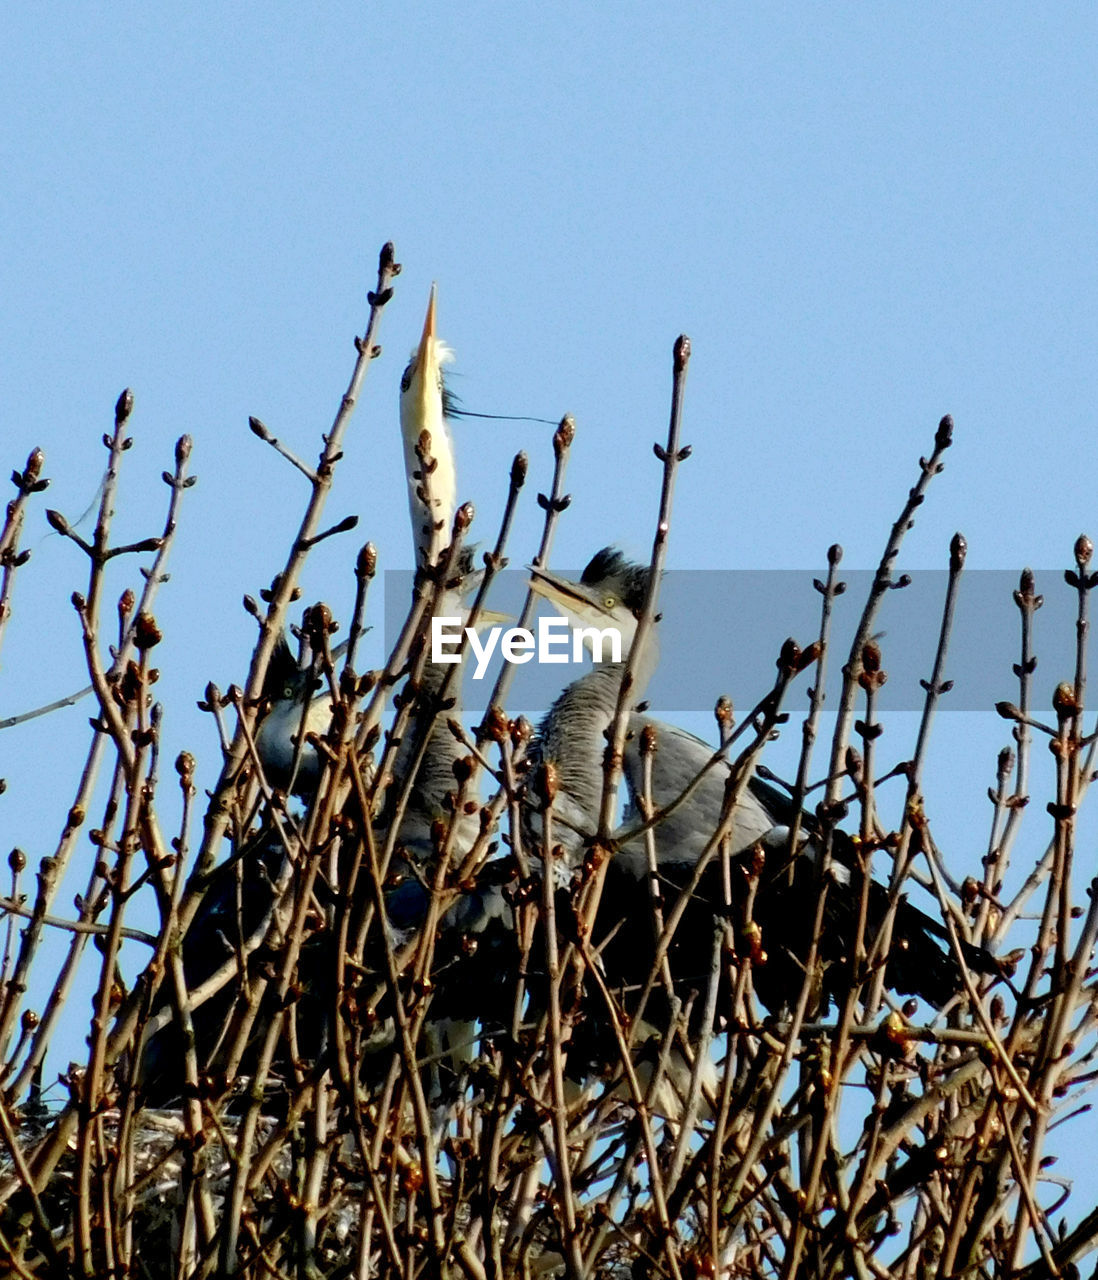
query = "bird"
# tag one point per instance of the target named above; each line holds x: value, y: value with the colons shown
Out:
x: 290, y: 761
x: 241, y: 893
x: 571, y: 739
x: 610, y: 592
x: 231, y: 920
x: 571, y: 736
x: 431, y: 820
x: 479, y: 951
x: 429, y: 460
x: 427, y: 404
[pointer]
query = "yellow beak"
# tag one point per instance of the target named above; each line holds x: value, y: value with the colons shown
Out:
x: 429, y: 322
x: 559, y: 592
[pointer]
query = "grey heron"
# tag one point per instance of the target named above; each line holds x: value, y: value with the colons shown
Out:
x: 241, y: 894
x: 571, y: 736
x: 609, y: 593
x: 290, y: 761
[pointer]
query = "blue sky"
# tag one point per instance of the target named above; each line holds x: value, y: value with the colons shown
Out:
x: 864, y: 217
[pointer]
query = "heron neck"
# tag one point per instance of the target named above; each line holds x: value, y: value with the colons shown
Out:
x: 433, y: 500
x: 573, y: 733
x: 645, y: 666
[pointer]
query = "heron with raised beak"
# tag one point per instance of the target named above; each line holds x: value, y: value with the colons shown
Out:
x: 428, y: 444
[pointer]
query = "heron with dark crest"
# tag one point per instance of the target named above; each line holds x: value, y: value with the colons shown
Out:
x: 610, y: 593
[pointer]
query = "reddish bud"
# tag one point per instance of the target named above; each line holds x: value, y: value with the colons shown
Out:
x: 564, y: 435
x: 366, y: 565
x: 1063, y: 700
x: 146, y: 633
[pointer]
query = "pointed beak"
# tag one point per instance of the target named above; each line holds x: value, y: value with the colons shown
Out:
x: 421, y: 399
x: 428, y: 323
x: 559, y: 592
x: 427, y: 361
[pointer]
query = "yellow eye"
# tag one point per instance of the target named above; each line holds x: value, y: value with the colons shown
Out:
x: 608, y: 602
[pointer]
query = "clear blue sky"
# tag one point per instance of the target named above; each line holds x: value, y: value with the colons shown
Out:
x: 864, y: 216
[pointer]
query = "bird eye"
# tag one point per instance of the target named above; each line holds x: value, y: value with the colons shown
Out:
x: 608, y: 602
x: 406, y: 379
x: 288, y: 692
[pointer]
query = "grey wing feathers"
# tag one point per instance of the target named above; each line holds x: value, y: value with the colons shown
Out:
x: 682, y: 836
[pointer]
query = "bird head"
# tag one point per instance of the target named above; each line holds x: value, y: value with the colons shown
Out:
x: 422, y: 409
x: 421, y: 386
x: 297, y: 707
x: 610, y: 593
x: 286, y: 680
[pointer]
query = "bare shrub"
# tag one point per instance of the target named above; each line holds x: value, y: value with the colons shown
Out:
x: 372, y: 1038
